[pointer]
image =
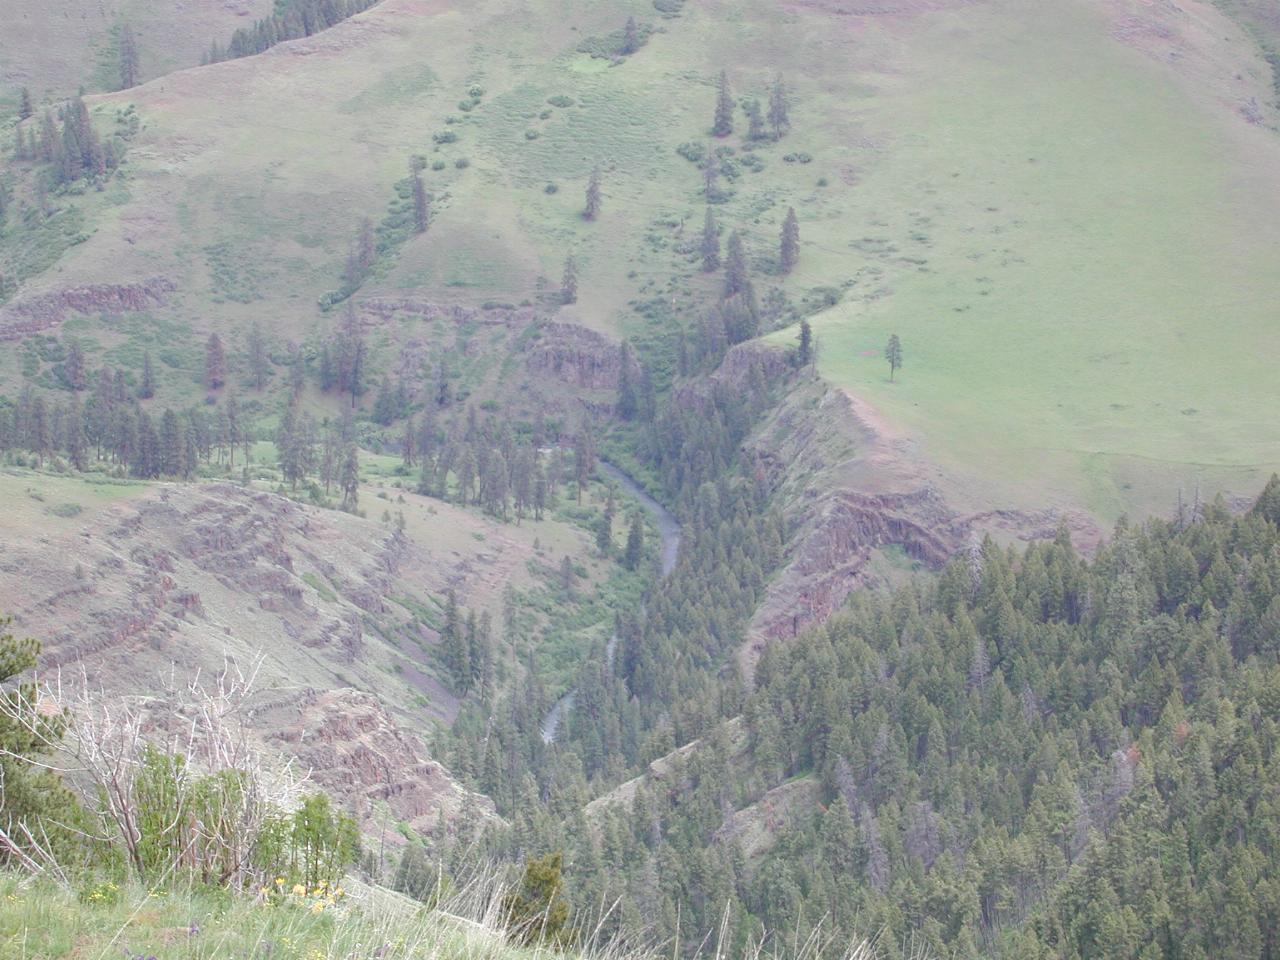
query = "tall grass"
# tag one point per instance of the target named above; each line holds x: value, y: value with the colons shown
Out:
x: 39, y: 921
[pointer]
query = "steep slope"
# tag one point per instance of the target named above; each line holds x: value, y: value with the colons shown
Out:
x: 136, y: 585
x: 54, y: 47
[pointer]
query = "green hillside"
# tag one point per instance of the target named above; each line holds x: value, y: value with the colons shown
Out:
x: 1080, y: 259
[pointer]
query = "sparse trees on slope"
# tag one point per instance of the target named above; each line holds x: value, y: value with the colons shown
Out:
x: 25, y: 107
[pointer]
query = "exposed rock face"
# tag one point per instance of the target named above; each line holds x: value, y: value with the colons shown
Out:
x: 577, y: 356
x: 362, y: 757
x: 755, y: 828
x: 851, y: 486
x: 41, y: 312
x: 379, y: 310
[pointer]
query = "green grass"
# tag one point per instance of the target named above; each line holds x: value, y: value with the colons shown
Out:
x: 41, y: 922
x: 1081, y: 265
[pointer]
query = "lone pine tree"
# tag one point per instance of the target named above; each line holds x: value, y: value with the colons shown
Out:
x: 592, y: 208
x: 569, y: 281
x: 778, y: 118
x: 722, y: 124
x: 635, y: 542
x: 215, y: 363
x: 789, y: 252
x: 893, y: 353
x: 710, y: 243
x: 630, y: 37
x: 421, y: 204
x: 735, y: 269
x: 129, y: 72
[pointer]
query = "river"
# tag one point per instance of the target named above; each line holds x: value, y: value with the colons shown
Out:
x: 669, y: 529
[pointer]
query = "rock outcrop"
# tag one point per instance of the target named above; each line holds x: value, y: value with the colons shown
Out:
x: 41, y: 312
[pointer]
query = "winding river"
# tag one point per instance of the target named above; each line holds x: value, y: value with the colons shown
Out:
x: 669, y: 530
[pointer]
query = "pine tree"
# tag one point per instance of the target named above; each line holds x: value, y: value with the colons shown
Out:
x: 366, y: 248
x: 73, y: 368
x: 536, y: 911
x: 38, y: 438
x: 453, y: 643
x: 569, y: 282
x: 288, y: 448
x: 350, y: 479
x: 592, y: 208
x: 630, y: 37
x: 635, y: 542
x: 34, y: 796
x: 259, y: 362
x: 540, y: 492
x: 722, y: 125
x: 893, y: 353
x: 710, y: 176
x: 408, y: 443
x: 129, y: 72
x: 173, y: 446
x: 74, y: 436
x: 147, y: 389
x: 755, y: 120
x: 778, y: 108
x: 735, y: 271
x: 626, y: 389
x: 804, y: 354
x: 25, y: 106
x: 604, y: 528
x: 710, y: 243
x: 215, y: 363
x: 421, y: 204
x: 789, y: 252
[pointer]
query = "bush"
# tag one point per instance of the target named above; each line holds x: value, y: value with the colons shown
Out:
x: 560, y: 100
x: 445, y: 136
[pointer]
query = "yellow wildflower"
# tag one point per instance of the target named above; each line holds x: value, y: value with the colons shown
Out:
x: 299, y: 890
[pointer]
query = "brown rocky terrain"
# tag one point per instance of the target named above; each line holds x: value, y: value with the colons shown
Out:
x: 176, y: 580
x: 40, y: 312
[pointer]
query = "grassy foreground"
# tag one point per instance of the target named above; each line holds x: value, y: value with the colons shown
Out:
x: 39, y: 922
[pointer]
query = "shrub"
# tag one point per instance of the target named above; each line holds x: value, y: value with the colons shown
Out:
x: 560, y: 100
